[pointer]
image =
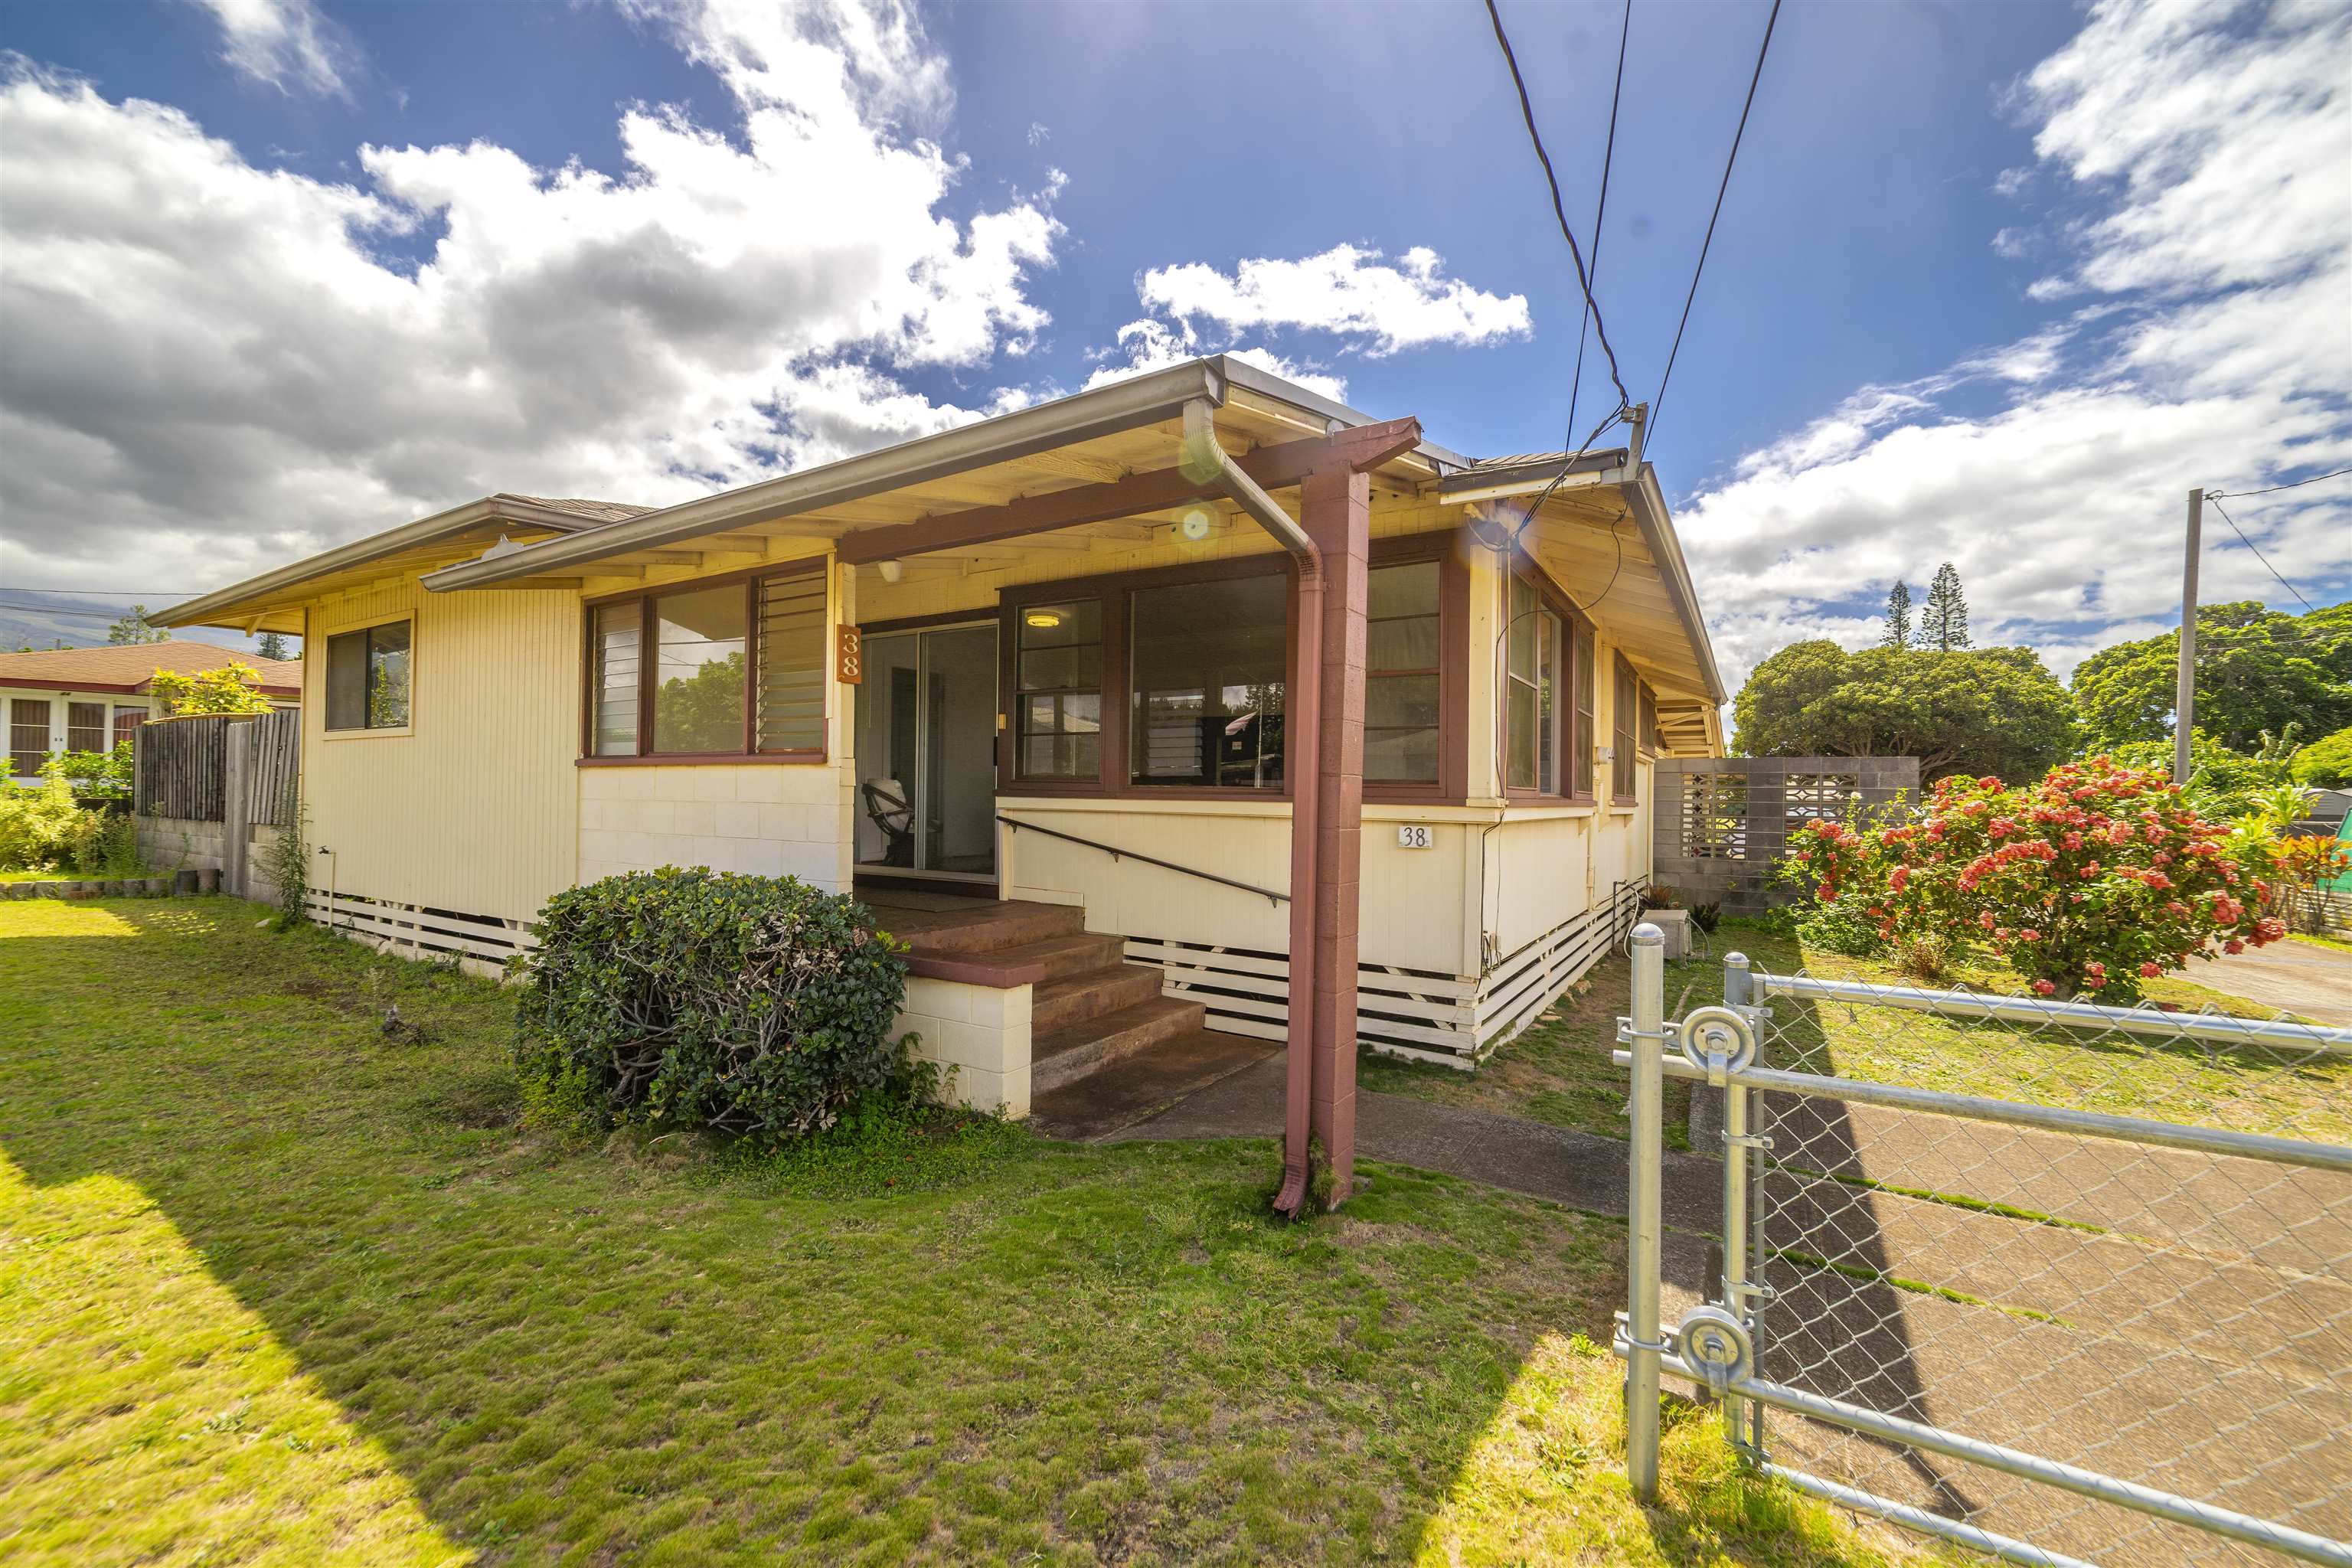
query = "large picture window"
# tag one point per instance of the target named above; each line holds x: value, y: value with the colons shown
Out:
x: 731, y: 669
x: 1057, y: 679
x: 1401, y: 674
x: 1210, y: 662
x: 368, y: 678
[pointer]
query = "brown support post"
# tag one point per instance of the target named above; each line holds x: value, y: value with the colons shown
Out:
x: 1336, y: 507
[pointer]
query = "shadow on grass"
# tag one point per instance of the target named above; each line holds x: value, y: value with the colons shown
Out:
x: 1080, y: 1356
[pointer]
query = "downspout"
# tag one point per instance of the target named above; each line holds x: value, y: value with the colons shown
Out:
x: 1205, y: 461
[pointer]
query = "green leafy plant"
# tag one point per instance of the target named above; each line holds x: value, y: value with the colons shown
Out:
x: 46, y: 828
x: 231, y: 689
x: 2327, y: 762
x: 111, y: 848
x: 754, y: 1004
x: 2095, y: 879
x: 287, y: 859
x: 99, y: 776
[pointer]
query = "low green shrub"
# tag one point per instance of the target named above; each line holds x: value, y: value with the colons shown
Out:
x: 44, y: 829
x: 109, y: 848
x: 754, y: 1004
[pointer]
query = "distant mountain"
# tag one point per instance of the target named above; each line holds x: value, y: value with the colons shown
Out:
x: 80, y: 620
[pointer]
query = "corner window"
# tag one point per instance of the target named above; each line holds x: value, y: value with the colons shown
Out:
x: 726, y: 669
x: 1210, y: 663
x: 1058, y: 691
x: 1401, y: 674
x: 1621, y: 720
x: 368, y: 678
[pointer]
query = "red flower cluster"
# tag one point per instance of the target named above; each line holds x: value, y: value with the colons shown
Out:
x: 2093, y: 879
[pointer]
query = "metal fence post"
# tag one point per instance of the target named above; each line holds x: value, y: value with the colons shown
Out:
x: 1736, y: 1145
x: 1645, y: 1210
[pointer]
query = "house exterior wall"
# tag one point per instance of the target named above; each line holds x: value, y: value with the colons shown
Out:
x: 769, y: 819
x: 979, y: 1037
x: 473, y: 805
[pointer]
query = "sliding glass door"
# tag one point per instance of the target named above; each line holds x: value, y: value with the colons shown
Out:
x: 926, y: 754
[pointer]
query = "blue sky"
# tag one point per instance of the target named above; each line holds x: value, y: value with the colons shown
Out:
x: 1948, y: 313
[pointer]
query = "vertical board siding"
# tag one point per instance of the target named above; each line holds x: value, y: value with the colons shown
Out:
x: 474, y: 808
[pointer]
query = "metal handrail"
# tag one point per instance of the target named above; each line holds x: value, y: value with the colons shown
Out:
x: 1115, y: 853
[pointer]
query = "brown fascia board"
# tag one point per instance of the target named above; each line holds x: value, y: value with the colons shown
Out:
x: 1106, y: 411
x: 214, y: 608
x: 1648, y: 506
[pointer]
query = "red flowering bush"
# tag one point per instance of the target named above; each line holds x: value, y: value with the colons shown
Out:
x: 2095, y: 879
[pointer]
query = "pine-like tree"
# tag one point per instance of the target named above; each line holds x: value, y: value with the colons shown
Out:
x: 1944, y: 623
x: 133, y: 628
x: 272, y: 645
x: 1899, y: 618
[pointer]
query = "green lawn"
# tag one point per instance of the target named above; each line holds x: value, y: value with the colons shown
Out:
x: 279, y: 1285
x: 1559, y: 1071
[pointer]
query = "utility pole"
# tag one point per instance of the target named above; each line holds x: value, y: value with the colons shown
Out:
x: 2184, y: 700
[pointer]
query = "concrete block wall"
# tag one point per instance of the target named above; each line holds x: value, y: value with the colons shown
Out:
x: 183, y: 843
x: 980, y: 1032
x: 1721, y: 824
x: 769, y: 819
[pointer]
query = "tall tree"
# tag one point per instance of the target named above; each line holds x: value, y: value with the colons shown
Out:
x: 1982, y: 711
x: 1899, y: 616
x: 2257, y: 669
x: 1943, y: 624
x: 133, y: 628
x: 272, y: 645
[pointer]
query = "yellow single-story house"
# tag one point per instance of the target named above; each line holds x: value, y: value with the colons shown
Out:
x: 1053, y: 688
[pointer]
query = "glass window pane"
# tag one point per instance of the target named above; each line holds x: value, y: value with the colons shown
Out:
x: 1580, y: 739
x: 387, y: 676
x: 1401, y: 729
x: 1522, y: 633
x: 1548, y: 703
x: 791, y: 663
x: 617, y: 632
x: 1409, y: 589
x: 1521, y: 717
x: 698, y: 690
x: 1209, y: 664
x: 1057, y: 665
x: 1401, y: 756
x: 347, y: 673
x: 85, y: 726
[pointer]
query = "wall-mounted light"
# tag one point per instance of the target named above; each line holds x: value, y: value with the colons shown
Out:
x: 890, y: 570
x: 1044, y: 619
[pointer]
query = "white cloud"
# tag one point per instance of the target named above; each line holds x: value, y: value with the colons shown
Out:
x: 1345, y: 290
x: 285, y: 43
x: 2202, y: 151
x: 1149, y: 344
x: 214, y: 366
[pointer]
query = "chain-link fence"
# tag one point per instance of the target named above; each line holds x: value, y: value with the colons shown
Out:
x: 2059, y: 1281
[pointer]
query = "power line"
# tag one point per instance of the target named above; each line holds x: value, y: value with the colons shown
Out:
x: 1658, y: 402
x: 120, y: 593
x: 2209, y: 495
x: 1583, y: 280
x: 1600, y: 210
x: 2258, y: 555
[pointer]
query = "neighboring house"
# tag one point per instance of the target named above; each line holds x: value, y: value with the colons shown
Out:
x: 87, y: 699
x: 1082, y: 647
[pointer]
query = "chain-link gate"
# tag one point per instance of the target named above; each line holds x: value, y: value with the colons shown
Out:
x: 2059, y: 1282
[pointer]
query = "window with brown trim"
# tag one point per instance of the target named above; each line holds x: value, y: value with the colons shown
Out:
x: 734, y: 667
x: 1057, y: 677
x: 368, y: 678
x: 127, y: 720
x: 1208, y: 679
x: 1650, y: 720
x: 1541, y: 729
x: 28, y: 736
x: 85, y: 726
x: 1581, y: 753
x: 1403, y: 671
x: 1621, y: 720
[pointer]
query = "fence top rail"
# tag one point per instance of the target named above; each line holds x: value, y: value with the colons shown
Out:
x: 2260, y: 1146
x: 2070, y: 1014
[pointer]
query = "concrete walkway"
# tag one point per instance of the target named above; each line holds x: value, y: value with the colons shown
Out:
x: 2299, y: 976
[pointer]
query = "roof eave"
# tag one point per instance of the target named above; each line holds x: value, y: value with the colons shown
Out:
x: 1648, y: 505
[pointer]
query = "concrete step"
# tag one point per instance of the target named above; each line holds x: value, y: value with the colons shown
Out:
x: 1076, y: 997
x: 1097, y: 1105
x: 983, y: 929
x: 1061, y: 957
x: 1060, y: 1056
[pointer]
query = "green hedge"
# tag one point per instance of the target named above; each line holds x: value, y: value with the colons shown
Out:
x: 754, y: 1003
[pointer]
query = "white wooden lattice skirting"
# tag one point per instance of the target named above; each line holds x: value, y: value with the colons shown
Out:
x: 480, y: 942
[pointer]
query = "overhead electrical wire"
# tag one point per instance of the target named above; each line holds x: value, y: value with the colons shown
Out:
x: 1658, y: 403
x: 2215, y: 496
x: 2232, y: 495
x: 1600, y: 211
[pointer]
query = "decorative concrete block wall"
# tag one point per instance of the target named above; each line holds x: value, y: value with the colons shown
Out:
x: 188, y: 843
x: 1721, y: 824
x: 980, y: 1032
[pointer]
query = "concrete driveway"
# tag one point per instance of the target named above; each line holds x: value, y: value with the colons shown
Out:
x: 2299, y: 976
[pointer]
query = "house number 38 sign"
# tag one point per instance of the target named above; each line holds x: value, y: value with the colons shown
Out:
x: 1413, y: 836
x: 849, y: 654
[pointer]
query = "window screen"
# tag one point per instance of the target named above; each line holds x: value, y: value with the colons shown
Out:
x: 1400, y: 669
x: 85, y: 726
x: 1210, y: 671
x: 1622, y: 720
x: 28, y: 734
x: 1581, y: 740
x: 1057, y: 683
x: 1531, y: 704
x: 699, y: 643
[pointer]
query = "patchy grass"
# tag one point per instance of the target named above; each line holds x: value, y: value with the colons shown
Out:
x: 278, y: 1284
x: 2313, y: 940
x: 1559, y: 1071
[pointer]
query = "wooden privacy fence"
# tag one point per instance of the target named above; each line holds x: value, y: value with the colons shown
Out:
x: 184, y: 766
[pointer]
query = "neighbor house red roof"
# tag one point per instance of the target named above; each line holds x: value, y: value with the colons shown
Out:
x: 128, y: 666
